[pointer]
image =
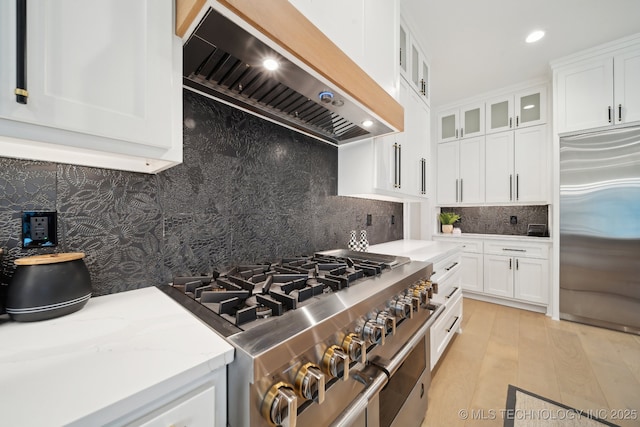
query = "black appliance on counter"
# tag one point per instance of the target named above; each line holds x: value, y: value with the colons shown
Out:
x: 323, y: 339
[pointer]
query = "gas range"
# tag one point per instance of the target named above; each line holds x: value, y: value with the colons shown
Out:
x: 313, y: 334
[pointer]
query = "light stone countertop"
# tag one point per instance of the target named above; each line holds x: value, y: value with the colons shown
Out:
x: 418, y: 250
x: 494, y: 237
x: 118, y: 351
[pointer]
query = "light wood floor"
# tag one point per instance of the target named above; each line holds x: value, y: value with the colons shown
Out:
x: 581, y: 366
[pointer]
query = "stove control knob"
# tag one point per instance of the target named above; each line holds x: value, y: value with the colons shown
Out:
x: 422, y: 294
x: 280, y: 405
x: 335, y: 363
x: 401, y: 309
x: 387, y: 321
x: 355, y: 348
x: 310, y: 383
x: 414, y: 301
x: 371, y: 332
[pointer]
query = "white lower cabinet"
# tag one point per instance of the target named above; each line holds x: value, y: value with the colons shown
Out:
x: 195, y: 409
x: 516, y: 277
x: 515, y: 272
x: 445, y: 327
x: 471, y: 272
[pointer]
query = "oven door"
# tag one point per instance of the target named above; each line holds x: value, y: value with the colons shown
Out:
x: 403, y: 402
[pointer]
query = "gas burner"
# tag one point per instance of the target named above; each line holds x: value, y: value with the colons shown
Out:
x: 252, y: 292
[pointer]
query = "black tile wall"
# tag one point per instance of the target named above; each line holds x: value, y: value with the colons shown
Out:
x: 248, y: 190
x: 496, y: 219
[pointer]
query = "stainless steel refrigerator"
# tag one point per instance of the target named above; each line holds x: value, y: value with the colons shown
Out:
x: 600, y: 229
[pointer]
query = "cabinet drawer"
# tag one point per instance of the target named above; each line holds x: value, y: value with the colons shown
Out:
x: 443, y: 330
x: 445, y: 268
x: 473, y: 246
x: 519, y: 249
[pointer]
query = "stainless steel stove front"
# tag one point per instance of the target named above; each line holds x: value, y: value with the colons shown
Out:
x: 347, y: 344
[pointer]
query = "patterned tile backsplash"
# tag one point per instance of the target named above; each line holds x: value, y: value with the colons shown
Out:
x: 496, y: 219
x: 248, y: 190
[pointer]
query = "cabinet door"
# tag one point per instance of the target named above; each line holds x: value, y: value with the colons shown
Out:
x: 472, y: 120
x: 419, y: 137
x: 498, y: 275
x: 448, y: 125
x: 499, y: 114
x: 425, y: 77
x: 532, y: 280
x: 447, y: 185
x: 404, y: 49
x: 471, y: 272
x: 111, y: 77
x: 499, y: 184
x: 387, y: 171
x: 585, y: 95
x: 414, y: 139
x: 471, y: 172
x: 530, y: 164
x: 627, y: 86
x: 196, y: 408
x: 531, y: 107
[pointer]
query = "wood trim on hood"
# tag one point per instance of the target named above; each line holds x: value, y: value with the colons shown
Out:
x: 274, y: 18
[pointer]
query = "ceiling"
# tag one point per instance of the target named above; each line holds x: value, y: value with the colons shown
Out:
x: 478, y: 46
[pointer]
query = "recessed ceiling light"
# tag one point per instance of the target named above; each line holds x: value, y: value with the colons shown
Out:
x: 270, y: 64
x: 367, y: 123
x: 528, y: 107
x: 535, y: 36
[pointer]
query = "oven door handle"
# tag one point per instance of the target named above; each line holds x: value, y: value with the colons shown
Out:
x: 375, y: 379
x: 392, y: 365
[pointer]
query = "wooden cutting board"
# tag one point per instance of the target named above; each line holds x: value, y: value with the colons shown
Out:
x: 49, y: 258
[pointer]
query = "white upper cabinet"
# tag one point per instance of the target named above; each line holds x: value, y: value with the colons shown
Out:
x: 598, y: 88
x: 103, y: 80
x: 517, y: 165
x: 393, y: 167
x: 513, y: 111
x: 414, y: 66
x: 365, y: 30
x: 460, y: 172
x: 458, y: 123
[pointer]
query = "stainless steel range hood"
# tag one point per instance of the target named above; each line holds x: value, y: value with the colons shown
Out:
x: 223, y: 60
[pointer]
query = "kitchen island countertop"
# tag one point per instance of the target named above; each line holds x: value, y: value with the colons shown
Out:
x: 118, y: 353
x: 417, y: 250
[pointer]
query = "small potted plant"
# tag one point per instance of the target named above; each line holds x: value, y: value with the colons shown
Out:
x: 447, y: 219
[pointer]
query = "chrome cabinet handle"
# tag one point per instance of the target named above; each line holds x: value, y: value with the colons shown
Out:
x: 514, y: 250
x: 619, y: 112
x: 461, y: 187
x: 461, y: 132
x: 510, y: 187
x: 453, y: 324
x: 21, y: 52
x: 399, y: 165
x: 395, y: 165
x: 517, y: 264
x: 451, y: 266
x: 517, y: 121
x: 456, y: 190
x: 510, y: 122
x: 456, y: 133
x: 517, y: 186
x: 510, y: 265
x: 609, y: 108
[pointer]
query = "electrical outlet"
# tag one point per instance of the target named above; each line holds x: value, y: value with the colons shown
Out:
x: 513, y: 220
x: 39, y: 229
x: 369, y: 220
